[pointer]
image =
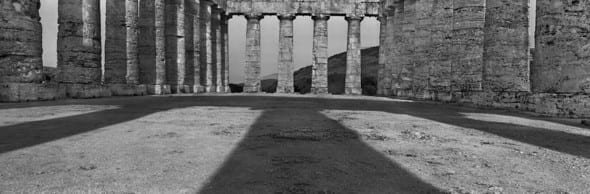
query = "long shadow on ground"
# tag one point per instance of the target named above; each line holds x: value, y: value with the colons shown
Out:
x: 268, y: 158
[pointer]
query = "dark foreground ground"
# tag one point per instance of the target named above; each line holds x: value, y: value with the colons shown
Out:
x: 285, y: 144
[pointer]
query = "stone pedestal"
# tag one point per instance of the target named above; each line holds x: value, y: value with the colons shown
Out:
x: 86, y: 90
x: 285, y: 69
x: 21, y: 92
x: 253, y: 55
x: 128, y: 89
x: 319, y: 79
x: 352, y: 84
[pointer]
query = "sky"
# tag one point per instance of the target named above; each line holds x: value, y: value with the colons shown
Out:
x: 303, y: 40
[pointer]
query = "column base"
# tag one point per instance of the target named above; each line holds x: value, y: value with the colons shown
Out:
x: 251, y: 89
x: 220, y: 89
x: 285, y: 90
x: 353, y: 91
x: 319, y: 90
x: 158, y: 89
x: 198, y: 89
x: 20, y: 92
x: 128, y: 89
x: 227, y: 89
x: 87, y: 90
x: 210, y: 89
x: 177, y: 89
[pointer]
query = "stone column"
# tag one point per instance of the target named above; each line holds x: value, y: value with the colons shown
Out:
x: 207, y: 45
x: 218, y: 51
x: 152, y: 46
x: 285, y: 69
x: 381, y: 72
x: 197, y: 86
x: 79, y: 48
x: 21, y: 50
x: 121, y: 55
x: 253, y: 55
x: 175, y: 45
x: 189, y: 18
x: 20, y: 42
x: 225, y: 52
x: 467, y: 40
x: 353, y: 56
x: 319, y: 80
x: 562, y: 57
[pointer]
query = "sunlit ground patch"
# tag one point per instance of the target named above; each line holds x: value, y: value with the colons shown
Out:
x: 22, y: 115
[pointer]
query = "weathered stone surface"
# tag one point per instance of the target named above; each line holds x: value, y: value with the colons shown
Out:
x: 197, y: 60
x: 562, y: 58
x: 79, y: 42
x: 20, y: 42
x: 175, y: 45
x: 121, y: 56
x: 225, y: 33
x: 407, y: 49
x: 253, y: 55
x: 382, y: 55
x: 86, y: 90
x: 422, y: 43
x: 285, y: 65
x: 441, y: 54
x: 128, y: 89
x: 468, y: 36
x: 189, y: 17
x: 319, y: 80
x: 393, y: 46
x: 207, y: 55
x: 20, y: 92
x: 506, y: 46
x: 152, y: 46
x: 353, y: 56
x: 219, y: 55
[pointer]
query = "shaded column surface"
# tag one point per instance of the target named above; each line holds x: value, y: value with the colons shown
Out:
x: 79, y: 42
x: 225, y: 51
x: 319, y: 79
x: 219, y: 58
x: 441, y: 29
x: 152, y: 46
x: 468, y: 37
x: 407, y: 49
x: 506, y: 46
x: 422, y: 42
x: 253, y: 55
x: 189, y: 17
x: 175, y: 45
x: 353, y: 56
x: 121, y: 56
x: 381, y: 78
x: 197, y: 61
x: 206, y: 46
x: 562, y: 57
x: 394, y: 46
x: 20, y: 42
x: 285, y: 67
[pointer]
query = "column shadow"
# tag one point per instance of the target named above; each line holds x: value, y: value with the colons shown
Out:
x: 290, y: 150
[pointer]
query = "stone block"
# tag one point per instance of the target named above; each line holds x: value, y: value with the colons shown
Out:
x: 20, y: 92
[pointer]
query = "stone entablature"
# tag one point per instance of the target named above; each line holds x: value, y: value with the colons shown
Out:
x: 307, y: 7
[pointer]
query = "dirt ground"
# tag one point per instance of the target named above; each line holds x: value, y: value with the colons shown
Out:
x: 285, y: 144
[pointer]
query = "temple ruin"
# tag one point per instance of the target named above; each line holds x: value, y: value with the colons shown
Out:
x: 466, y: 51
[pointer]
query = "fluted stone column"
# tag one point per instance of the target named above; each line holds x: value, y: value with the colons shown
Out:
x: 353, y: 56
x: 562, y: 56
x: 189, y: 18
x: 285, y: 68
x: 152, y: 46
x: 197, y: 86
x: 225, y: 52
x: 175, y: 45
x: 79, y: 48
x: 219, y: 51
x: 206, y: 46
x: 319, y: 80
x: 21, y: 50
x: 253, y: 55
x: 121, y: 54
x: 381, y: 72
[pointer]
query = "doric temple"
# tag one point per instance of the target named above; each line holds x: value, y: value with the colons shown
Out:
x: 468, y: 51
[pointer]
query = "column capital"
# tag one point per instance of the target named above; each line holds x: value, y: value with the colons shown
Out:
x: 320, y: 16
x: 225, y: 18
x: 354, y: 17
x: 286, y: 16
x: 254, y: 16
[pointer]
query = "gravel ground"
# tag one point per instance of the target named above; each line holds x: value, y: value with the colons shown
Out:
x: 285, y: 144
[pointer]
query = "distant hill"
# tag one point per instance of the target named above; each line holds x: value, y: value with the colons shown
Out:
x: 336, y: 74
